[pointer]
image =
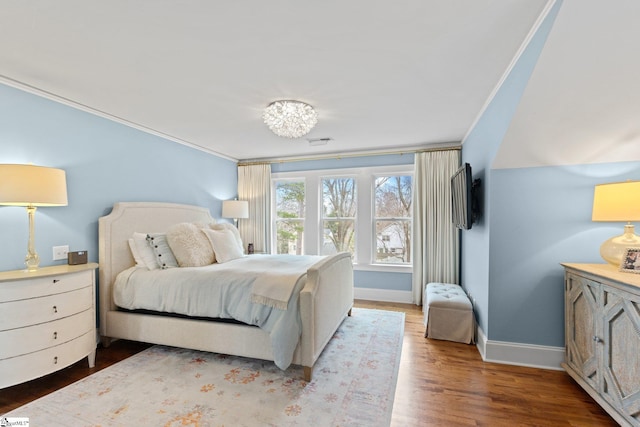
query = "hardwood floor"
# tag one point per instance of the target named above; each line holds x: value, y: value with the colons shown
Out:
x: 440, y: 383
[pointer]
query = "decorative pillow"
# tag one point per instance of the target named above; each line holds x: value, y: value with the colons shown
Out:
x: 162, y: 251
x: 144, y: 251
x: 224, y: 244
x: 190, y: 246
x: 233, y: 229
x: 136, y: 255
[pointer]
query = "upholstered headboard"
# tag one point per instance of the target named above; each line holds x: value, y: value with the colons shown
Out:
x: 115, y: 229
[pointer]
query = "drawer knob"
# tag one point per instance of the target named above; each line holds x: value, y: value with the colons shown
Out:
x: 56, y: 280
x: 55, y: 308
x: 596, y: 339
x: 55, y: 335
x: 55, y: 360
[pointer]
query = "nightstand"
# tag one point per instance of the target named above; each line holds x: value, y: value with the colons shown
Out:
x: 47, y: 321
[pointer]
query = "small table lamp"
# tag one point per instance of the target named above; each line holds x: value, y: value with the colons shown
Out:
x: 618, y: 201
x: 32, y: 186
x: 235, y: 209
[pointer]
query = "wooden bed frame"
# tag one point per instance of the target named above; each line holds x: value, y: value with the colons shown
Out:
x: 325, y: 300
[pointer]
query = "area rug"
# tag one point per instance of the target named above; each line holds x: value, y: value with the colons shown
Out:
x: 353, y: 385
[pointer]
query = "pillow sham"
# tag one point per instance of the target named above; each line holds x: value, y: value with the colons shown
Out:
x: 136, y: 255
x: 189, y: 245
x: 161, y: 250
x: 233, y: 229
x: 224, y: 244
x: 145, y: 252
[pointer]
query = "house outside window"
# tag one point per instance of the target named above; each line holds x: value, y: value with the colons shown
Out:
x: 392, y: 218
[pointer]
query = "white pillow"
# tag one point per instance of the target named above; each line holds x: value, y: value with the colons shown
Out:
x: 233, y: 229
x: 224, y: 244
x: 136, y: 256
x: 144, y: 251
x: 189, y: 245
x: 161, y: 250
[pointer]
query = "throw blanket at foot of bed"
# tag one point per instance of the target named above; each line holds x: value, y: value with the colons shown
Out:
x: 259, y: 290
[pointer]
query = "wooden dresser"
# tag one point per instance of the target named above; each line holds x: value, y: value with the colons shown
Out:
x: 47, y: 320
x: 602, y: 337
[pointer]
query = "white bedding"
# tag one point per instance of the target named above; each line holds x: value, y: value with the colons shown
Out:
x: 247, y: 289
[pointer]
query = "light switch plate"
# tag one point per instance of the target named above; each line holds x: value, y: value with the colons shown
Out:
x: 60, y: 252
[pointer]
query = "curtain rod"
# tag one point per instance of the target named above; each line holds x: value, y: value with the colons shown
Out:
x: 342, y: 156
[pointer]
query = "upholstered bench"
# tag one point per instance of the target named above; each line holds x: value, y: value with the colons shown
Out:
x: 448, y: 313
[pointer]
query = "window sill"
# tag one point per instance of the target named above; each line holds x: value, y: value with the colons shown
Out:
x: 389, y: 268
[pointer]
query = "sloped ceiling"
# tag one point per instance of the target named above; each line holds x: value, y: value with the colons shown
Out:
x: 383, y: 75
x: 582, y: 103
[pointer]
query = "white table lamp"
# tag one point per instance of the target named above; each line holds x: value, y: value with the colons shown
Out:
x: 235, y: 209
x: 32, y: 186
x: 618, y: 202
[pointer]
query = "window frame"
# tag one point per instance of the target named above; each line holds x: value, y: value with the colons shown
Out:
x: 364, y: 258
x: 276, y: 219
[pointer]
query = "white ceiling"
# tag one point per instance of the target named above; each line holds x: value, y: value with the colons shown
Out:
x: 383, y: 75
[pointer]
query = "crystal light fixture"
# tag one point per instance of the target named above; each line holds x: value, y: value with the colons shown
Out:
x: 290, y: 119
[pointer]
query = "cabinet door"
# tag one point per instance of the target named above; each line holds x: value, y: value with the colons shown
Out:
x: 581, y: 309
x: 621, y: 351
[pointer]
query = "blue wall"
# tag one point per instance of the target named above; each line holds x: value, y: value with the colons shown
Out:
x: 345, y: 162
x: 105, y: 162
x: 533, y: 219
x: 479, y: 149
x: 541, y: 217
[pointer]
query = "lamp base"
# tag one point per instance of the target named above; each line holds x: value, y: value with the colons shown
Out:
x: 612, y: 250
x: 32, y: 261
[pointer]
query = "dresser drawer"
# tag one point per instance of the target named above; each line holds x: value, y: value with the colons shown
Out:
x: 38, y: 337
x: 41, y: 286
x: 34, y: 365
x: 27, y: 312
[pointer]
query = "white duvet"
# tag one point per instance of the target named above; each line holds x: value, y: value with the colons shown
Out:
x: 248, y: 289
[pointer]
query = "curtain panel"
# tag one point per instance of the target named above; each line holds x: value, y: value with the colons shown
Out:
x: 254, y: 186
x: 435, y: 238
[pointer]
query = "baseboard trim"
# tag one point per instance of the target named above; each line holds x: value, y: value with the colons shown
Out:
x: 510, y: 353
x: 385, y: 295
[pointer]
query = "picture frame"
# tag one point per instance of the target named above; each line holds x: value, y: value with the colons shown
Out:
x: 631, y: 260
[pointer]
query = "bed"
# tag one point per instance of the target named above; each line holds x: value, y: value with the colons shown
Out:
x: 325, y: 297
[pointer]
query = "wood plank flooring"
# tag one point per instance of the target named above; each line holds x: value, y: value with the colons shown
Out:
x: 440, y: 383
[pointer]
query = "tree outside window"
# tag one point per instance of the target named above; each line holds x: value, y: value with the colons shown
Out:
x: 393, y: 219
x: 339, y: 215
x: 290, y: 213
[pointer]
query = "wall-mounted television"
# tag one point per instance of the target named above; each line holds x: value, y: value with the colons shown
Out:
x: 465, y: 207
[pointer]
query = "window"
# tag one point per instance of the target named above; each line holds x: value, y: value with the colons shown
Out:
x: 392, y: 219
x: 290, y: 212
x: 365, y: 211
x: 338, y: 215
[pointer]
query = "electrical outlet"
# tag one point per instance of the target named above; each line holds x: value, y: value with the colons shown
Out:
x: 60, y: 252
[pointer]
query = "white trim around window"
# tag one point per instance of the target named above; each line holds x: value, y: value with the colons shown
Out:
x: 365, y: 240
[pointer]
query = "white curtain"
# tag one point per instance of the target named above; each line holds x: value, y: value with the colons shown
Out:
x: 254, y: 185
x: 435, y: 238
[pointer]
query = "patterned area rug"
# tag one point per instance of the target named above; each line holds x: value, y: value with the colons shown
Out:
x: 353, y: 385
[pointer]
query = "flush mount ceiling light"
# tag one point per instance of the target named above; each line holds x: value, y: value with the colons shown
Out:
x: 290, y: 119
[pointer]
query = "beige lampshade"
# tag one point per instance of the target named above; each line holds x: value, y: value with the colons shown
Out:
x: 618, y: 201
x: 29, y: 185
x: 235, y: 209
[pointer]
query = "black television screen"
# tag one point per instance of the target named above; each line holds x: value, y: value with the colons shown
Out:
x: 463, y: 209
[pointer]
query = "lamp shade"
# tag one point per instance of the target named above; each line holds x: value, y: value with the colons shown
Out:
x: 235, y: 209
x: 29, y: 185
x: 618, y: 201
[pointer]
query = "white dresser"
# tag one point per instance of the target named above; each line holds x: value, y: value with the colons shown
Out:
x: 47, y: 320
x: 602, y: 334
